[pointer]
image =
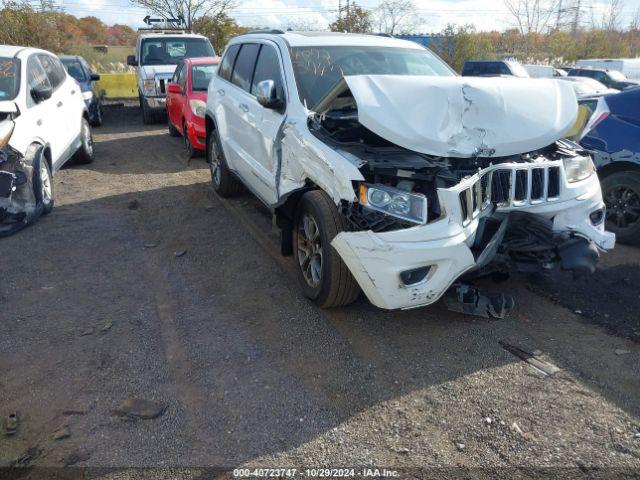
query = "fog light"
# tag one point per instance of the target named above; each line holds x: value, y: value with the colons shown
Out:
x: 416, y: 275
x: 597, y: 216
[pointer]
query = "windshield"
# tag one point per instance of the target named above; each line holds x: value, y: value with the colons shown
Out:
x: 170, y: 50
x: 9, y: 78
x: 319, y: 69
x: 200, y: 77
x: 74, y: 69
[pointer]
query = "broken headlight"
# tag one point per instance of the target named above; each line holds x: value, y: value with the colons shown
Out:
x: 578, y: 168
x: 6, y: 129
x: 398, y: 203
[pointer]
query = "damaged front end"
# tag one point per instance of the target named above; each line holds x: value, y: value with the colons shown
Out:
x: 19, y: 204
x: 421, y: 222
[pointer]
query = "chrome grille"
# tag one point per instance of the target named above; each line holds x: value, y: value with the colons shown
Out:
x: 161, y: 83
x: 510, y: 187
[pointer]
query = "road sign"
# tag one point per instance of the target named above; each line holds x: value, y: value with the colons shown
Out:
x: 148, y: 20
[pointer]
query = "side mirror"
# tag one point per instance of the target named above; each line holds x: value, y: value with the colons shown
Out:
x: 131, y: 61
x: 268, y: 96
x: 174, y: 88
x: 94, y: 77
x: 41, y: 93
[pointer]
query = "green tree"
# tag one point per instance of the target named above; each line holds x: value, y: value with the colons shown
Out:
x: 355, y: 20
x: 219, y: 29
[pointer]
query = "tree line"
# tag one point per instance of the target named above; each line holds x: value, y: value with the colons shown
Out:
x: 549, y: 31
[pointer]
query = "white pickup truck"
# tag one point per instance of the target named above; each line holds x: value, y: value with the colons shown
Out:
x: 156, y: 57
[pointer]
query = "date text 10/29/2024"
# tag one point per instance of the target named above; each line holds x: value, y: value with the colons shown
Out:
x: 314, y: 472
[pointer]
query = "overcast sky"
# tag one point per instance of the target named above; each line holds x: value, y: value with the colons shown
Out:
x: 433, y: 14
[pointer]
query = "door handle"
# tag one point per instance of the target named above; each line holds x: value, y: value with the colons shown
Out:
x: 221, y: 92
x: 244, y: 107
x: 59, y: 104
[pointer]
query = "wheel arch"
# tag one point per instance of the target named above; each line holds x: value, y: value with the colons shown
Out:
x: 284, y: 214
x: 46, y: 152
x: 209, y: 126
x: 615, y: 167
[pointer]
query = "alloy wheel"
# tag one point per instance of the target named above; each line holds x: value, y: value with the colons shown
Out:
x: 623, y: 206
x: 214, y: 161
x: 87, y: 139
x: 45, y: 180
x: 309, y: 248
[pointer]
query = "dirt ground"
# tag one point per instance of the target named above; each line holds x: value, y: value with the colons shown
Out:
x: 144, y: 284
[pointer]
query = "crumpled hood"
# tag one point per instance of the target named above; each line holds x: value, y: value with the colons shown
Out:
x: 464, y: 116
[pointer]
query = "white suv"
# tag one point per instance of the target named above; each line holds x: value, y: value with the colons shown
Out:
x: 43, y: 123
x: 389, y: 173
x: 157, y: 55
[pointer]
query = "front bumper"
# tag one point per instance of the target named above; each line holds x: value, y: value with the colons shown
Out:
x: 197, y: 134
x: 376, y: 260
x: 18, y: 205
x: 156, y: 103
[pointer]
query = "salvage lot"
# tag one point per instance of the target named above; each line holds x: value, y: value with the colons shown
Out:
x: 144, y: 284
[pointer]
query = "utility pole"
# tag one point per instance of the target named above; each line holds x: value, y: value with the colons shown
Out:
x: 339, y: 9
x: 559, y: 14
x: 576, y: 18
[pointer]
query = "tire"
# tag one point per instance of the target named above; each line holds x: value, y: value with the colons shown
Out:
x: 84, y: 155
x: 173, y: 131
x: 149, y: 116
x: 191, y: 152
x: 224, y: 182
x: 324, y: 278
x: 98, y: 120
x: 42, y: 183
x: 621, y: 194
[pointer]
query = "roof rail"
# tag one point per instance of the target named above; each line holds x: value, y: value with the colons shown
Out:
x: 275, y: 31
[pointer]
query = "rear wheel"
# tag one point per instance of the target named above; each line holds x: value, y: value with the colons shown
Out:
x: 84, y: 154
x: 621, y: 192
x: 324, y: 277
x: 224, y: 183
x: 173, y: 131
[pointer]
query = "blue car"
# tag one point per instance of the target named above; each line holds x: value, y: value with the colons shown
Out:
x: 613, y: 135
x: 79, y: 69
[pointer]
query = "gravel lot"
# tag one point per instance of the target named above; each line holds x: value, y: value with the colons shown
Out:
x: 99, y: 304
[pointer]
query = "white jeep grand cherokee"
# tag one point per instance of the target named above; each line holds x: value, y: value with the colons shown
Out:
x: 389, y: 173
x: 43, y: 123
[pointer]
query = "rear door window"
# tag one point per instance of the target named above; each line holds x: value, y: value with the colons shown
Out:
x: 226, y: 67
x: 36, y: 77
x: 243, y: 68
x: 182, y: 77
x: 55, y: 74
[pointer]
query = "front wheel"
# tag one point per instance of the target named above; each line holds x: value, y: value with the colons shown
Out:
x: 42, y: 183
x: 84, y: 155
x: 324, y: 277
x: 224, y: 183
x: 621, y: 193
